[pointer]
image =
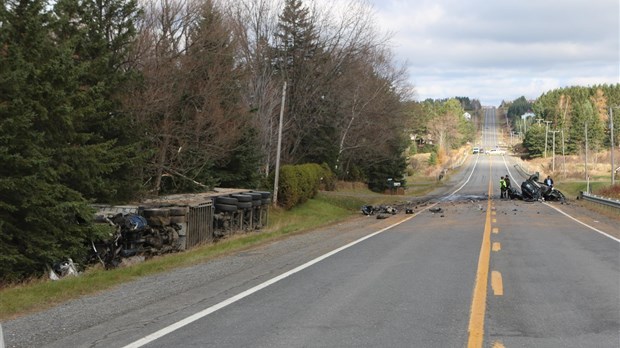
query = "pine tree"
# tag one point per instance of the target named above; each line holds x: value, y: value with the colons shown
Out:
x: 41, y: 219
x: 98, y: 36
x: 300, y: 60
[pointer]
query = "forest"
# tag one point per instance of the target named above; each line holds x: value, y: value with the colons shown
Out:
x: 109, y: 101
x: 569, y: 116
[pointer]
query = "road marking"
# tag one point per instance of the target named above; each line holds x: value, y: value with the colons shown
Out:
x: 478, y: 303
x: 497, y: 246
x: 498, y: 344
x: 494, y: 220
x: 495, y: 230
x: 493, y: 213
x: 192, y: 318
x: 496, y: 283
x: 567, y: 215
x: 583, y: 223
x: 1, y: 337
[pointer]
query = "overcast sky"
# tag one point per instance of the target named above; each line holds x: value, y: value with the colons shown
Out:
x: 503, y: 49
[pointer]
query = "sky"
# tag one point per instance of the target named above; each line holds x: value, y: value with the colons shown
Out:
x: 494, y: 50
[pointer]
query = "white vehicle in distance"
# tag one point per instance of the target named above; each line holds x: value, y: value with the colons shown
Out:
x: 496, y: 151
x: 476, y: 150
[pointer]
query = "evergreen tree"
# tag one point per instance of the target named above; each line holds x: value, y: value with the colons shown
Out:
x: 299, y: 59
x: 42, y: 220
x: 534, y: 140
x: 98, y: 35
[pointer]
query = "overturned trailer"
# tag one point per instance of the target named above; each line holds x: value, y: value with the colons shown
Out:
x: 178, y: 222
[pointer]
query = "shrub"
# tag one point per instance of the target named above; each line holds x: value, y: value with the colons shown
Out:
x: 298, y: 183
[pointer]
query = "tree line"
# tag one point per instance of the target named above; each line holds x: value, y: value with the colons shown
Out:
x: 112, y: 100
x: 572, y: 114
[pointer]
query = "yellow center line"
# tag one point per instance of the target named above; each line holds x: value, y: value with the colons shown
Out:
x: 478, y: 303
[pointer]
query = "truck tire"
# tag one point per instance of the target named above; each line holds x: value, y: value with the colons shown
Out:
x: 244, y: 205
x: 229, y: 208
x: 242, y: 197
x: 226, y: 200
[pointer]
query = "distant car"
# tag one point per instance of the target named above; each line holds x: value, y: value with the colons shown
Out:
x: 496, y: 151
x: 476, y: 150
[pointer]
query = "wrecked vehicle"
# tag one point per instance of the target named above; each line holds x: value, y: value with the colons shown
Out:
x: 136, y: 235
x: 532, y: 189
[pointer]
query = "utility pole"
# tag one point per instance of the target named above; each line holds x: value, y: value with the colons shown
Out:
x: 611, y: 131
x: 586, y: 161
x: 277, y: 174
x: 553, y: 156
x: 563, y: 154
x: 546, y: 132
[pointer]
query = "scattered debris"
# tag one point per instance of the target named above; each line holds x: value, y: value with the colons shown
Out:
x: 371, y: 210
x: 435, y: 210
x: 63, y: 269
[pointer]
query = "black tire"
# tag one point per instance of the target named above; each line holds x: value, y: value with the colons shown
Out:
x: 265, y: 194
x: 155, y: 212
x: 229, y: 208
x: 244, y: 205
x: 257, y: 202
x: 226, y: 200
x: 242, y: 197
x: 158, y: 220
x: 266, y: 201
x: 256, y: 196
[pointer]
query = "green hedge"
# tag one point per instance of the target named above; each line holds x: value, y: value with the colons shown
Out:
x: 298, y: 183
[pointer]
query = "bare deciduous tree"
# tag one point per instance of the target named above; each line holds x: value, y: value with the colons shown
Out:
x: 187, y: 102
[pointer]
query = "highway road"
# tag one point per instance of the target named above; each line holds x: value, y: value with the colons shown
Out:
x: 482, y: 272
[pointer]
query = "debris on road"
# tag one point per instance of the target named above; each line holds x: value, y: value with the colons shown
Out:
x: 372, y: 210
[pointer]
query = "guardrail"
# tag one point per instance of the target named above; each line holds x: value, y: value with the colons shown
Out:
x: 614, y: 203
x: 522, y: 171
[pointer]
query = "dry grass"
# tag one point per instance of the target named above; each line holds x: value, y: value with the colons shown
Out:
x: 610, y: 191
x: 573, y: 166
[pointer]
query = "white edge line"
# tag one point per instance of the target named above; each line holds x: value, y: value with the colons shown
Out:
x: 1, y: 337
x: 179, y: 324
x: 468, y: 178
x: 583, y: 223
x: 192, y: 318
x: 569, y: 216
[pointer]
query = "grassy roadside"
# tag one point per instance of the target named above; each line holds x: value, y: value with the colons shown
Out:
x: 571, y: 189
x: 40, y: 294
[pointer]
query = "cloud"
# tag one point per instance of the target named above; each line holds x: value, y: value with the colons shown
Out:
x: 501, y: 50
